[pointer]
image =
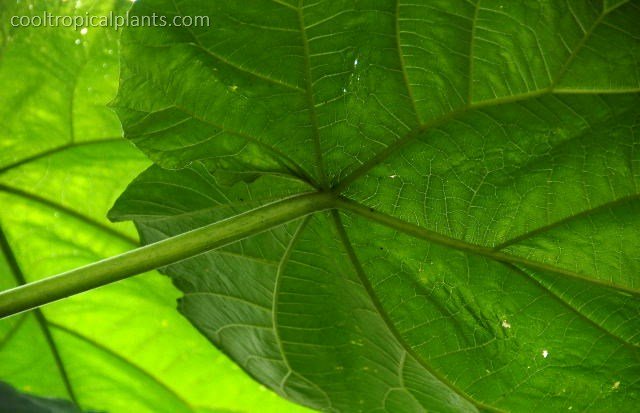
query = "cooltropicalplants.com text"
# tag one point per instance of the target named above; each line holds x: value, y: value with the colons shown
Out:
x: 117, y: 21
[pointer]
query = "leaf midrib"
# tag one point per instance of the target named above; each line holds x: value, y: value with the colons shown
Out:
x: 495, y: 255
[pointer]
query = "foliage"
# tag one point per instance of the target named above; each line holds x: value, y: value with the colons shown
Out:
x: 63, y: 163
x: 14, y: 402
x: 482, y: 253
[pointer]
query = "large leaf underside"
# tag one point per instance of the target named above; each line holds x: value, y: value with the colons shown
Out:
x: 485, y: 254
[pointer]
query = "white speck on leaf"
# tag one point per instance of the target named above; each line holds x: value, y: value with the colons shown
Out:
x: 505, y: 324
x: 545, y: 353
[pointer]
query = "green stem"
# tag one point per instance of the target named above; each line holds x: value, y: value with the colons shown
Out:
x: 160, y: 254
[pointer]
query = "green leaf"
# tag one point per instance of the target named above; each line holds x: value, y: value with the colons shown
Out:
x: 14, y: 402
x: 487, y: 155
x: 62, y: 165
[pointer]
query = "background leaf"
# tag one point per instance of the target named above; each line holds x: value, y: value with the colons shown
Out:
x: 14, y: 402
x: 62, y: 164
x: 486, y: 255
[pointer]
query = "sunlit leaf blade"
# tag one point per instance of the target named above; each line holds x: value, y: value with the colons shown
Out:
x: 63, y: 163
x: 55, y: 82
x: 487, y: 153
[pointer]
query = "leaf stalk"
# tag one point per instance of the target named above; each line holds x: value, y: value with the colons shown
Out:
x: 161, y: 254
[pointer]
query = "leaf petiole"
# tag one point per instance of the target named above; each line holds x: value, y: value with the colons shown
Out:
x: 160, y: 254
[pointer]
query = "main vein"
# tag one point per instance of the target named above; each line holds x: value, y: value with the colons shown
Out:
x: 499, y: 256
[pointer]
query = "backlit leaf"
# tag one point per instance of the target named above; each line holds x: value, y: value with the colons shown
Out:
x: 62, y: 164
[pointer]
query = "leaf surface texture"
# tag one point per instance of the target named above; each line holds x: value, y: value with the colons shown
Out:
x: 485, y: 252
